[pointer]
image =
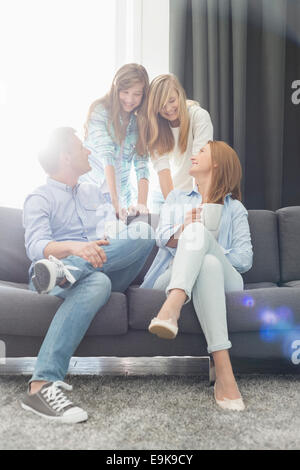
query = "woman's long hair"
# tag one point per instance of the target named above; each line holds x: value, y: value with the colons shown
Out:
x: 160, y: 137
x: 226, y: 175
x: 126, y: 77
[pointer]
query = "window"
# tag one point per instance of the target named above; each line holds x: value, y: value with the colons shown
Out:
x: 56, y: 57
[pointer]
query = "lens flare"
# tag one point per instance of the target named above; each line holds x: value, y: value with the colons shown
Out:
x: 268, y: 317
x: 268, y: 334
x: 248, y: 301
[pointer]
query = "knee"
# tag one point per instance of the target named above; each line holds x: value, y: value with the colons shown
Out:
x: 211, y: 265
x: 194, y: 229
x: 101, y: 286
x: 195, y: 233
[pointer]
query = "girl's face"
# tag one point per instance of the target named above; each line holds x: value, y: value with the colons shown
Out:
x: 201, y: 163
x: 131, y: 98
x: 170, y: 110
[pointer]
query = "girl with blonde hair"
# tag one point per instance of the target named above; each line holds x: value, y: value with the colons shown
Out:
x: 205, y: 244
x: 177, y: 129
x: 115, y: 133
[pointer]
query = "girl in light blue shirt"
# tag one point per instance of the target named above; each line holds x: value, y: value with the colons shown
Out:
x: 116, y: 137
x: 205, y: 244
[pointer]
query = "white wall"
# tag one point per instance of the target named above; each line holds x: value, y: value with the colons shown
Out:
x: 143, y: 34
x: 155, y: 36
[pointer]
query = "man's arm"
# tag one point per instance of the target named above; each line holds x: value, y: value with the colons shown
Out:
x: 36, y: 222
x: 39, y: 240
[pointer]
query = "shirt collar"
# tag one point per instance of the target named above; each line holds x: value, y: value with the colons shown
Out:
x: 62, y: 186
x: 195, y: 190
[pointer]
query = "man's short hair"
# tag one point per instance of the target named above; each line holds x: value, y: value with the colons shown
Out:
x: 60, y: 140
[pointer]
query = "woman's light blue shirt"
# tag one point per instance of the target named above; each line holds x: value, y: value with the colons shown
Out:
x: 234, y: 234
x: 105, y: 151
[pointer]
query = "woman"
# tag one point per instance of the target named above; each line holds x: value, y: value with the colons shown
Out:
x: 115, y: 133
x: 177, y: 129
x: 193, y: 263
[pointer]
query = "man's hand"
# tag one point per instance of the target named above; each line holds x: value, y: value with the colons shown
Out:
x: 91, y: 252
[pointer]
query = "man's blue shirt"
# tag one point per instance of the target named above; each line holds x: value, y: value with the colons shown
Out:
x: 57, y: 212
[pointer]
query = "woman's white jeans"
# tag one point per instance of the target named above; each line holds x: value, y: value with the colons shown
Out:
x: 201, y: 269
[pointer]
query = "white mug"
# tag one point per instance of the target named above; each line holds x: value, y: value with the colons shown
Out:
x: 211, y: 216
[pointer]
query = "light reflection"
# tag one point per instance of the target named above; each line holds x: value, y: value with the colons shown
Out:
x: 248, y: 301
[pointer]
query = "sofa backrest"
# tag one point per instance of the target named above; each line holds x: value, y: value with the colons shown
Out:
x: 14, y: 263
x: 264, y: 237
x: 289, y: 242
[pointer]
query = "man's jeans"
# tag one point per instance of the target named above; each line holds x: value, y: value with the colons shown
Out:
x: 125, y: 258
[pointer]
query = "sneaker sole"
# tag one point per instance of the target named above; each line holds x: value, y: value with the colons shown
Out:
x: 44, y: 278
x: 72, y: 419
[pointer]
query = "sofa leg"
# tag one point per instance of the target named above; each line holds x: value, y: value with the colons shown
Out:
x: 212, y: 371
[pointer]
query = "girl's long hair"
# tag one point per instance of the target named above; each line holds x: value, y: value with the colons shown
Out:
x: 160, y: 137
x: 227, y: 175
x: 126, y: 77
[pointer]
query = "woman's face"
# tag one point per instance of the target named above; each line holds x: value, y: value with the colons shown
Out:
x: 202, y: 162
x: 131, y: 98
x: 170, y: 110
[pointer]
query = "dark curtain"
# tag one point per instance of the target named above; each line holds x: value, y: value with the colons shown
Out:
x: 241, y: 59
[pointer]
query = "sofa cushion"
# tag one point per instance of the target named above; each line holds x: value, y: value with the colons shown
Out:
x: 259, y: 285
x: 289, y: 236
x: 23, y: 312
x: 248, y: 310
x: 264, y: 236
x: 14, y: 262
x: 17, y: 285
x: 291, y: 284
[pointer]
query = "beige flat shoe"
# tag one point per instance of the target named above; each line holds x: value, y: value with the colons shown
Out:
x: 163, y: 328
x: 227, y: 404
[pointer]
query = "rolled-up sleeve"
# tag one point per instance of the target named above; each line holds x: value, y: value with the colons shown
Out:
x: 99, y: 139
x: 202, y: 129
x: 141, y: 165
x: 240, y: 254
x: 36, y: 221
x: 160, y: 163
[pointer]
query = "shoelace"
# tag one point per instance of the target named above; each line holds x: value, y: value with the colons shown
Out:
x: 63, y: 270
x: 55, y: 397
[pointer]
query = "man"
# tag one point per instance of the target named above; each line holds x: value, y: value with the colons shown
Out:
x: 64, y: 224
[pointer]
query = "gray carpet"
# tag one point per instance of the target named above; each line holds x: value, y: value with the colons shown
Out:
x: 158, y: 413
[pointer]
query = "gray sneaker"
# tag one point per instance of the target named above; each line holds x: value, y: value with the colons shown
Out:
x: 51, y: 403
x: 50, y: 272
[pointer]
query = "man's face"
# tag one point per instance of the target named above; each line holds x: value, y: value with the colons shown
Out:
x: 79, y: 157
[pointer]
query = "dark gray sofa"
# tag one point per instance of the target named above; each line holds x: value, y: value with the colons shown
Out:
x: 263, y: 320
